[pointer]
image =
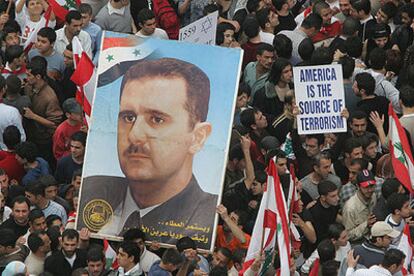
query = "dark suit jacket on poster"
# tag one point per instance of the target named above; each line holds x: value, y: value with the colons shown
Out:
x: 190, y: 213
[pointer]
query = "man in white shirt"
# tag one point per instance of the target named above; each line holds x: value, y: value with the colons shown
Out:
x: 147, y: 25
x: 72, y: 28
x: 268, y: 20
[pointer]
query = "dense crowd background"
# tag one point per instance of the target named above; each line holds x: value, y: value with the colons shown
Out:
x: 351, y: 210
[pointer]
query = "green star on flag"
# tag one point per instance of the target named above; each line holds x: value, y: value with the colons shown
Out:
x: 137, y: 52
x: 110, y: 58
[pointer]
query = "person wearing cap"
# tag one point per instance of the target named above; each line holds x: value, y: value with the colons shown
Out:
x: 371, y: 252
x: 391, y: 264
x: 187, y: 247
x: 357, y: 212
x: 73, y: 123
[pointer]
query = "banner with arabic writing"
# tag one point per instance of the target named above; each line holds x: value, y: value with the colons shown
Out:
x: 158, y: 139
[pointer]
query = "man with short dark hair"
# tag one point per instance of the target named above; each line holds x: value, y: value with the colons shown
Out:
x: 19, y: 218
x: 15, y: 62
x: 64, y: 261
x: 9, y: 251
x: 268, y: 20
x: 170, y: 261
x: 73, y: 27
x: 51, y: 191
x: 148, y: 25
x: 96, y: 262
x: 39, y: 245
x: 305, y: 154
x: 128, y: 259
x: 35, y: 166
x: 37, y: 222
x: 187, y: 247
x: 361, y: 10
x: 94, y: 30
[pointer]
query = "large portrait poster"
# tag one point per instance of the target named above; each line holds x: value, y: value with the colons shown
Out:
x: 158, y: 139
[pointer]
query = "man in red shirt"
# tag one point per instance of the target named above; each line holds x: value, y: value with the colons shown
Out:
x: 13, y: 169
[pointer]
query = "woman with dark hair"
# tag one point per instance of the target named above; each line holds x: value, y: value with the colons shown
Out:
x: 225, y: 35
x: 380, y: 39
x: 271, y: 98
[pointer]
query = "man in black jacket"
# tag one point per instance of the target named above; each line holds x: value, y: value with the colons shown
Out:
x: 69, y: 258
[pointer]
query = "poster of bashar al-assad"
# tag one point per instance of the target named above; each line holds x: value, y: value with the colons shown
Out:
x: 158, y: 139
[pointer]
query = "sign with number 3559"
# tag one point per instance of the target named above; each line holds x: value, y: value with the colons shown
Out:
x: 202, y: 31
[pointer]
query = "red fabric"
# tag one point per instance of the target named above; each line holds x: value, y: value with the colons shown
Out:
x: 249, y: 52
x: 329, y: 31
x: 13, y: 169
x: 315, y: 268
x: 59, y: 10
x: 81, y: 76
x: 167, y: 18
x: 233, y: 244
x: 61, y: 139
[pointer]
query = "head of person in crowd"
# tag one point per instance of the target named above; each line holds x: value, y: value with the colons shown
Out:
x: 305, y: 49
x: 382, y: 234
x: 37, y: 220
x: 238, y: 257
x: 14, y: 57
x: 330, y: 267
x: 4, y: 182
x: 171, y: 260
x: 68, y: 56
x: 11, y: 138
x: 20, y: 210
x: 393, y: 260
x: 251, y: 27
x: 384, y: 168
x: 146, y: 21
x: 283, y: 6
x: 361, y: 9
x: 136, y: 236
x: 353, y: 47
x: 356, y: 166
x: 326, y: 251
x: 391, y: 186
x: 128, y: 255
x: 348, y: 67
x: 253, y: 119
x: 221, y: 257
x: 13, y: 86
x: 353, y: 149
x: 268, y: 19
x: 370, y: 146
x: 328, y: 193
x: 377, y: 60
x: 281, y: 73
x: 236, y: 161
x: 364, y: 84
x: 70, y: 241
x: 268, y: 144
x: 407, y: 14
x: 399, y: 206
x: 313, y: 144
x: 54, y: 233
x: 54, y: 220
x: 265, y: 56
x: 96, y: 261
x: 225, y: 34
x: 239, y: 217
x: 281, y: 160
x: 321, y: 56
x: 11, y: 35
x: 45, y: 41
x: 407, y: 97
x: 7, y: 241
x: 86, y: 12
x: 322, y: 165
x: 39, y: 243
x: 338, y: 235
x: 77, y: 145
x: 386, y: 13
x: 324, y: 10
x: 258, y: 184
x: 51, y: 186
x: 366, y: 184
x: 358, y: 122
x: 253, y: 6
x: 393, y: 62
x: 34, y: 7
x: 351, y: 27
x: 283, y: 46
x: 37, y: 72
x: 73, y: 23
x: 243, y: 95
x: 77, y: 179
x: 66, y: 192
x: 311, y: 25
x: 35, y: 193
x: 345, y: 7
x: 187, y: 247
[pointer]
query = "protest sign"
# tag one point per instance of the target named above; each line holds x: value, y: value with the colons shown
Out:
x: 319, y: 93
x: 202, y: 31
x: 158, y: 139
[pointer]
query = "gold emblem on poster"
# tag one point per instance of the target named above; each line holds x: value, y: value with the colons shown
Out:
x: 96, y: 214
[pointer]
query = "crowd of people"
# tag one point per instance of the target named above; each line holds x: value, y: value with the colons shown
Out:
x: 351, y: 211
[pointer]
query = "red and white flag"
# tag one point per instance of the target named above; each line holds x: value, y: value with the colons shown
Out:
x: 406, y: 247
x: 110, y: 256
x: 271, y: 224
x: 401, y: 156
x: 62, y: 7
x: 43, y: 22
x: 84, y: 76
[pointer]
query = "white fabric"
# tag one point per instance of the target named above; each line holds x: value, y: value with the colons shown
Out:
x: 10, y: 116
x: 158, y: 33
x: 374, y: 270
x: 62, y: 41
x: 112, y: 10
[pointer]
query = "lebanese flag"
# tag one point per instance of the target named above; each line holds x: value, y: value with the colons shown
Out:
x: 272, y: 217
x: 315, y: 268
x: 43, y: 22
x: 84, y: 76
x: 62, y: 7
x: 110, y: 256
x: 401, y: 156
x: 406, y: 247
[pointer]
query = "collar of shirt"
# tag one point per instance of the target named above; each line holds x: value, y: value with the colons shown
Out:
x: 112, y: 10
x: 407, y: 115
x: 366, y: 20
x: 136, y: 268
x: 60, y: 35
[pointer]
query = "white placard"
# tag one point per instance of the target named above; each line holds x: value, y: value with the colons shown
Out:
x: 202, y: 31
x: 319, y: 92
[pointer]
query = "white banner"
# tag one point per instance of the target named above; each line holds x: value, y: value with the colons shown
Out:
x: 202, y: 31
x: 319, y: 92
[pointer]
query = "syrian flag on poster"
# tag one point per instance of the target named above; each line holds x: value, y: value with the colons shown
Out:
x: 401, y: 156
x: 110, y: 256
x: 406, y: 247
x: 271, y: 225
x: 43, y: 22
x: 84, y: 76
x: 62, y: 7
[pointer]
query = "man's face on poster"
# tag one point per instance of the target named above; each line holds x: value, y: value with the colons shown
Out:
x: 155, y: 136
